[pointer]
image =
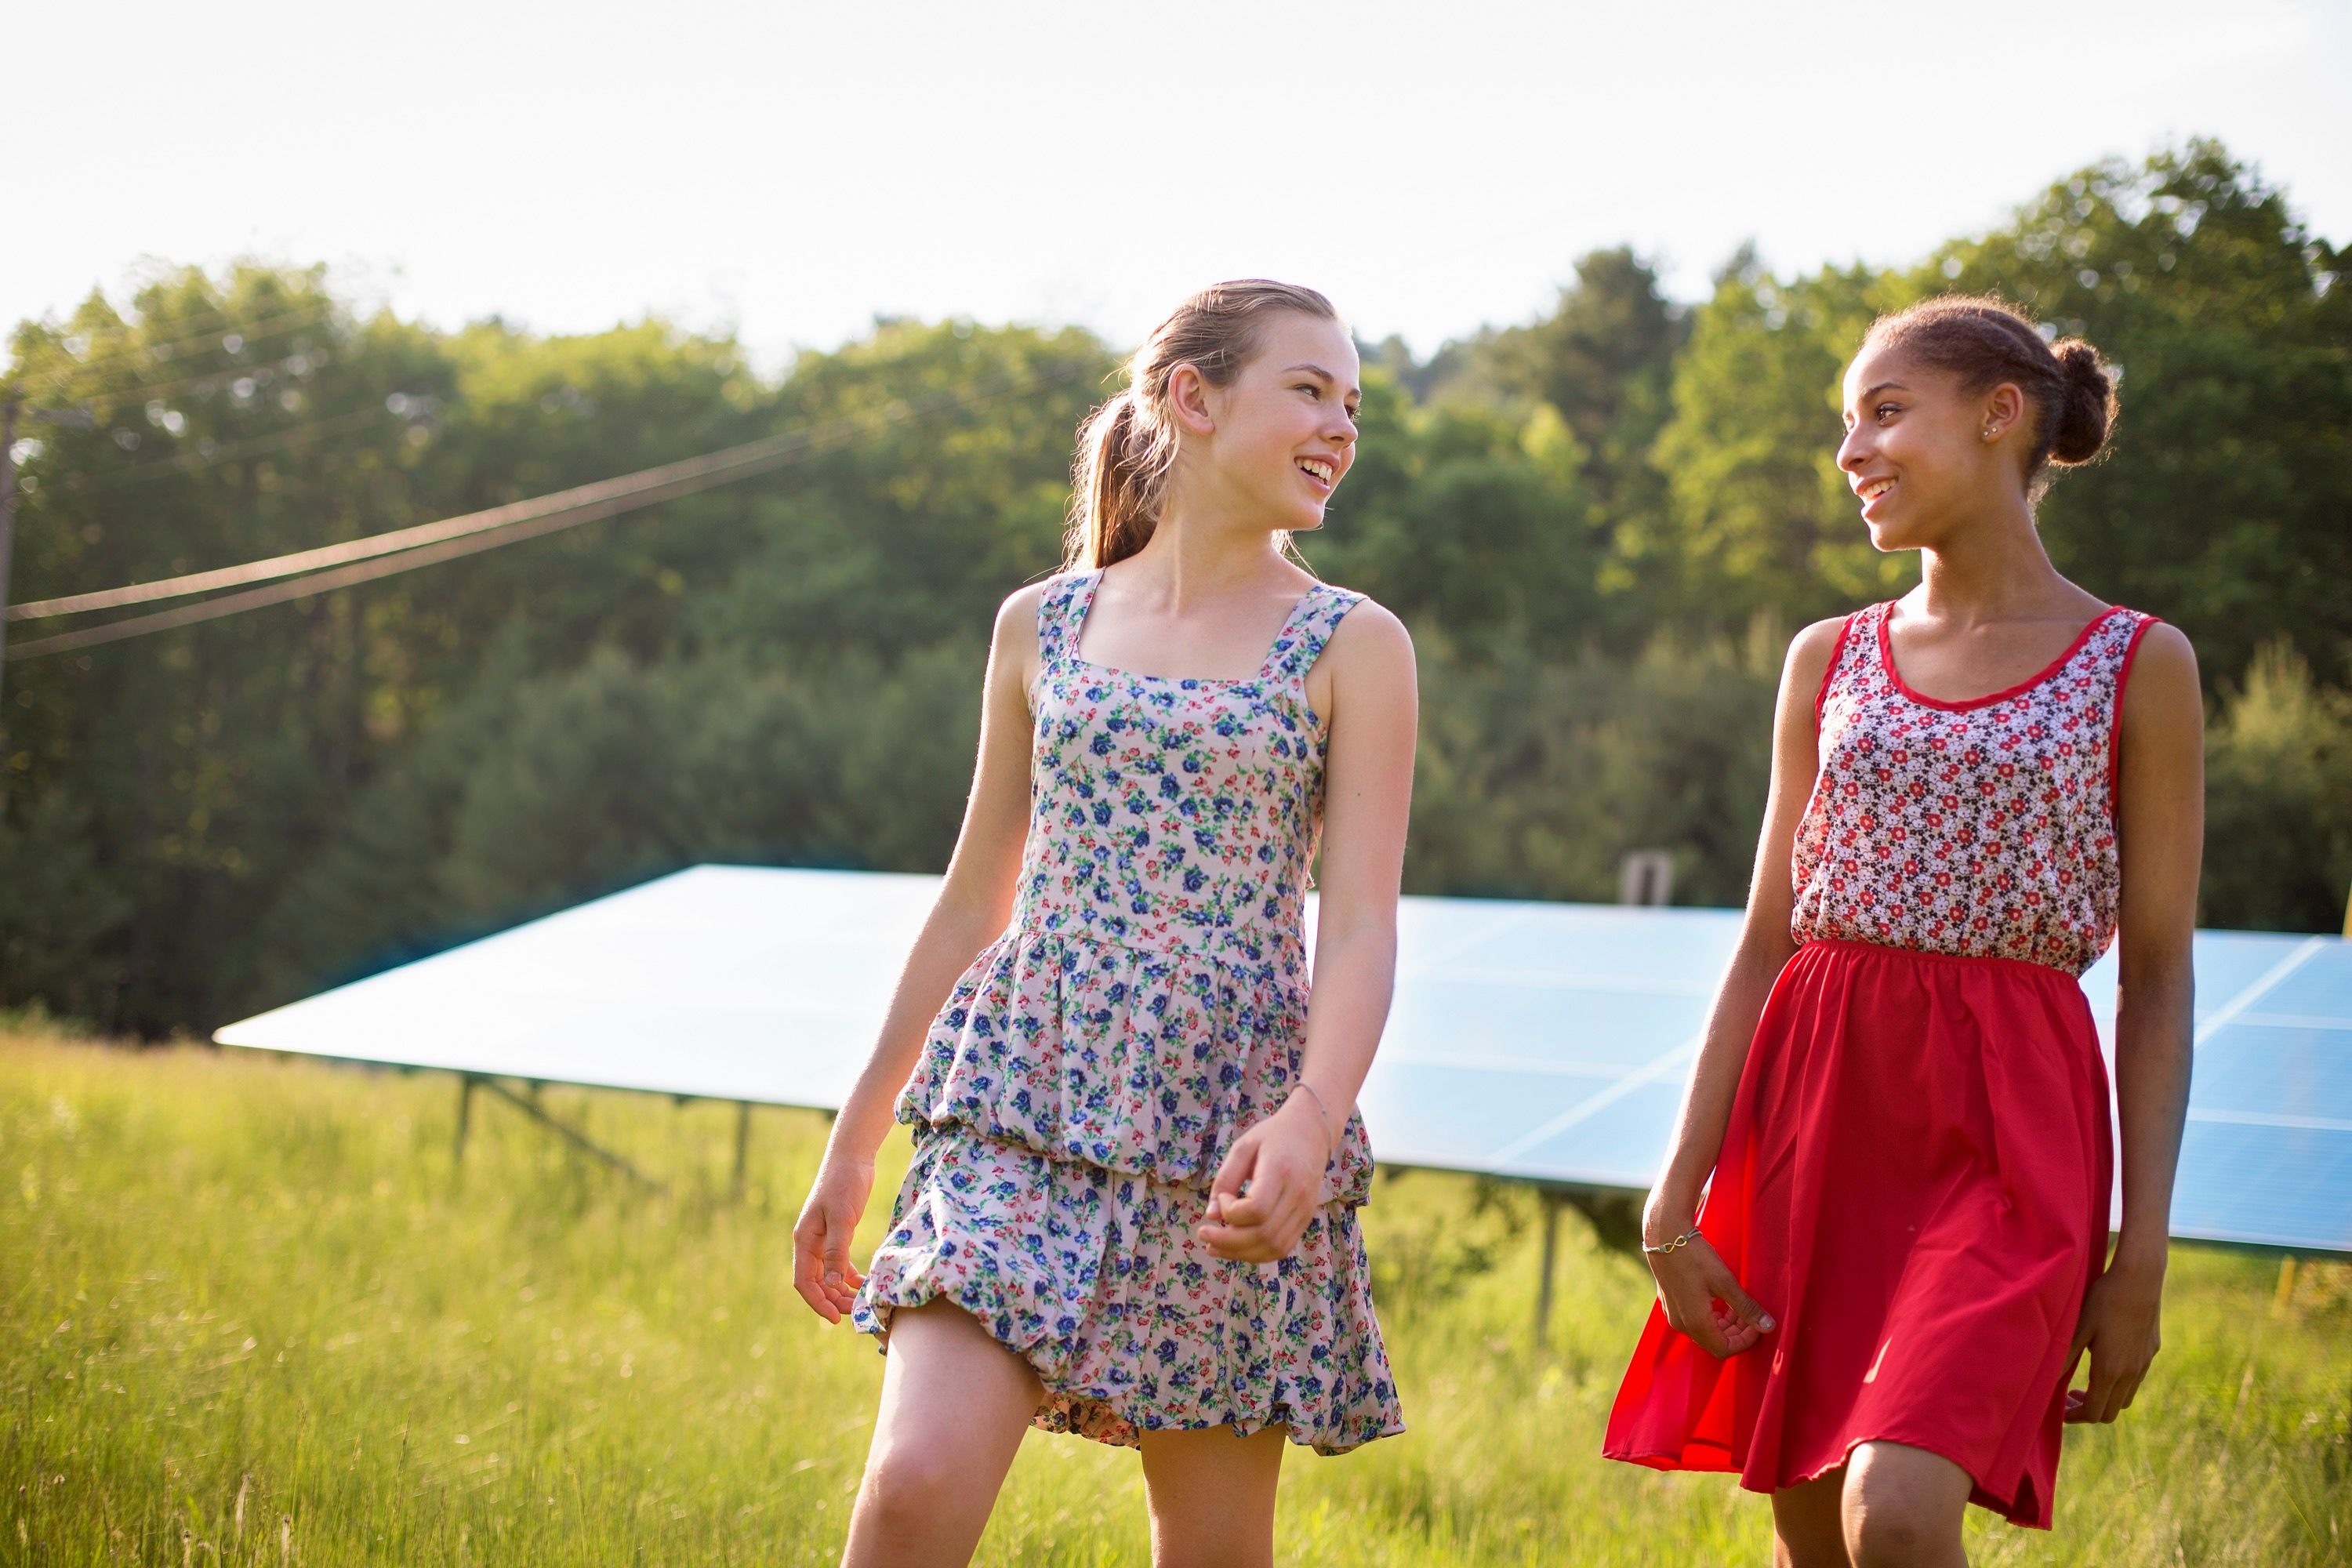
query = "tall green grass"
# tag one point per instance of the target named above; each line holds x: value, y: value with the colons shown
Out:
x: 249, y: 1314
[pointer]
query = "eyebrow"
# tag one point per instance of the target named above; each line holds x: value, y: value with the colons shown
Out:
x: 1882, y: 387
x: 1319, y: 369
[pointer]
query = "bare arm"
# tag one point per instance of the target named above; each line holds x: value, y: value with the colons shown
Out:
x: 1692, y: 1278
x: 2161, y: 802
x: 1373, y: 707
x: 974, y: 902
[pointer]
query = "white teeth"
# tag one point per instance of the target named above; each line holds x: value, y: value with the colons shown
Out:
x: 1320, y: 470
x: 1875, y: 488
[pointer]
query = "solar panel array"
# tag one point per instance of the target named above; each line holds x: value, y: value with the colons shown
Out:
x: 1531, y: 1041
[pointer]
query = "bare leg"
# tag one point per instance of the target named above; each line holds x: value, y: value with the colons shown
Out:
x: 1213, y: 1497
x: 1808, y: 1524
x: 954, y: 1406
x: 1903, y: 1507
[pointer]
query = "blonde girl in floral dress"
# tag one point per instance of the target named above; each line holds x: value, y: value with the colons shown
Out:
x: 1132, y: 1211
x: 1899, y: 1114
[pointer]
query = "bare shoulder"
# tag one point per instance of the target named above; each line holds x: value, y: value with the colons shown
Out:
x: 2164, y: 685
x: 1016, y: 617
x: 1810, y: 651
x: 1015, y: 651
x: 1020, y: 607
x: 1371, y: 639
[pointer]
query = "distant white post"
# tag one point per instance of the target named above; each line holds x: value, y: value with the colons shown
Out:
x: 1646, y: 877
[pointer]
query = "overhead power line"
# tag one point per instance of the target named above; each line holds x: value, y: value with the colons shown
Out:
x: 268, y: 325
x: 259, y: 372
x: 359, y: 560
x: 196, y: 457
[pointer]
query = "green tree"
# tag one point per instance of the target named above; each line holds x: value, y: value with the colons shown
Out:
x: 1757, y: 517
x: 2227, y: 505
x: 2278, y: 800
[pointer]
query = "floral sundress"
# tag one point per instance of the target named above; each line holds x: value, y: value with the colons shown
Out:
x: 1093, y: 1065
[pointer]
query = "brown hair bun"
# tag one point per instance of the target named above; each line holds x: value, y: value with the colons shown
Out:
x: 2086, y: 404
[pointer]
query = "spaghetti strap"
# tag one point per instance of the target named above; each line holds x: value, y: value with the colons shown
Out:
x: 1059, y: 614
x: 1308, y: 630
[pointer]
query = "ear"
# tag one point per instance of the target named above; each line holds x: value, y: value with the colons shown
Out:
x: 1188, y: 399
x: 2004, y: 407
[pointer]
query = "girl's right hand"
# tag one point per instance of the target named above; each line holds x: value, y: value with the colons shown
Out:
x: 822, y: 1271
x: 1703, y: 1300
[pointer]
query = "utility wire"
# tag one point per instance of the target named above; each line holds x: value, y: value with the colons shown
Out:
x: 261, y: 373
x: 196, y: 457
x: 353, y: 562
x: 372, y: 545
x: 263, y: 328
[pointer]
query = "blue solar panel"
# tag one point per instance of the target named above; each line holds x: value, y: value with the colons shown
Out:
x: 1538, y: 1042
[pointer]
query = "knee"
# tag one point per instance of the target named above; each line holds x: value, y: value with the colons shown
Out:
x: 1889, y: 1526
x: 908, y: 1487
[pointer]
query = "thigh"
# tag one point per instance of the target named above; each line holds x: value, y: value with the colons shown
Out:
x: 955, y: 1404
x: 1807, y: 1524
x: 1212, y: 1496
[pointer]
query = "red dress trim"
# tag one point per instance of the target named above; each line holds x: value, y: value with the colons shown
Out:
x: 2116, y: 734
x: 1837, y: 653
x: 1887, y: 659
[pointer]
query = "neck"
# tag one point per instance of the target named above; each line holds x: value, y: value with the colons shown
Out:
x: 1200, y: 552
x: 1987, y: 567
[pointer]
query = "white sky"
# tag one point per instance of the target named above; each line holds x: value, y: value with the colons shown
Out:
x: 791, y: 170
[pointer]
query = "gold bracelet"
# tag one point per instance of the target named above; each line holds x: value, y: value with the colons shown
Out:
x: 1676, y: 1245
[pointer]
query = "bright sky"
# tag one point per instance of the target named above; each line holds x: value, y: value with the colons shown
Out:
x: 791, y: 170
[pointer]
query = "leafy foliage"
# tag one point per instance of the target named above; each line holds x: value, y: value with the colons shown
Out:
x: 1593, y: 521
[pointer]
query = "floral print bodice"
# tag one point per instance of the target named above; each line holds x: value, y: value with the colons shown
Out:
x: 1147, y: 1000
x: 1984, y: 828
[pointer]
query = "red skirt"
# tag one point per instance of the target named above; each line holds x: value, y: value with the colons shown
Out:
x: 1914, y: 1183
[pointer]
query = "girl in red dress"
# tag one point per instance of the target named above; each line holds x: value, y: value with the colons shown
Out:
x: 1876, y: 1312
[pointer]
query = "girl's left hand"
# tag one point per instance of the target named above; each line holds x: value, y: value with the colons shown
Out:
x: 2120, y: 1328
x: 1281, y: 1162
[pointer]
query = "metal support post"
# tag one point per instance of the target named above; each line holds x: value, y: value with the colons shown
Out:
x: 1551, y: 1208
x: 464, y: 1119
x: 572, y: 1134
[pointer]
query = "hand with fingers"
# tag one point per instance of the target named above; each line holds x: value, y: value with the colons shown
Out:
x: 2120, y: 1328
x: 1265, y: 1191
x: 1700, y: 1295
x: 822, y: 1271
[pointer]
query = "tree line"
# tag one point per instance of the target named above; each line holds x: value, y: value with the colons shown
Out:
x: 1602, y: 526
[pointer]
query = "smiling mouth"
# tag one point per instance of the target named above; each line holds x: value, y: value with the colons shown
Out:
x: 1321, y: 471
x: 1873, y: 489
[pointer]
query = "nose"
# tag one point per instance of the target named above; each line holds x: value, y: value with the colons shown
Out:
x: 1855, y: 450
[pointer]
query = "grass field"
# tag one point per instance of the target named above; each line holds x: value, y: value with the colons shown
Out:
x: 251, y: 1315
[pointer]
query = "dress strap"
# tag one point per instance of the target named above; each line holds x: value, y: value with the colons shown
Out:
x: 1857, y: 648
x: 1303, y: 636
x: 1061, y: 612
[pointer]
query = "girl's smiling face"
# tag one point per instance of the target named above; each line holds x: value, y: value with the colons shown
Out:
x: 1921, y: 451
x: 1282, y: 434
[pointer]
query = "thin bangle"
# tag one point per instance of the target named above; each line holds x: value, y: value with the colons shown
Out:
x: 1676, y: 1245
x: 1330, y: 1139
